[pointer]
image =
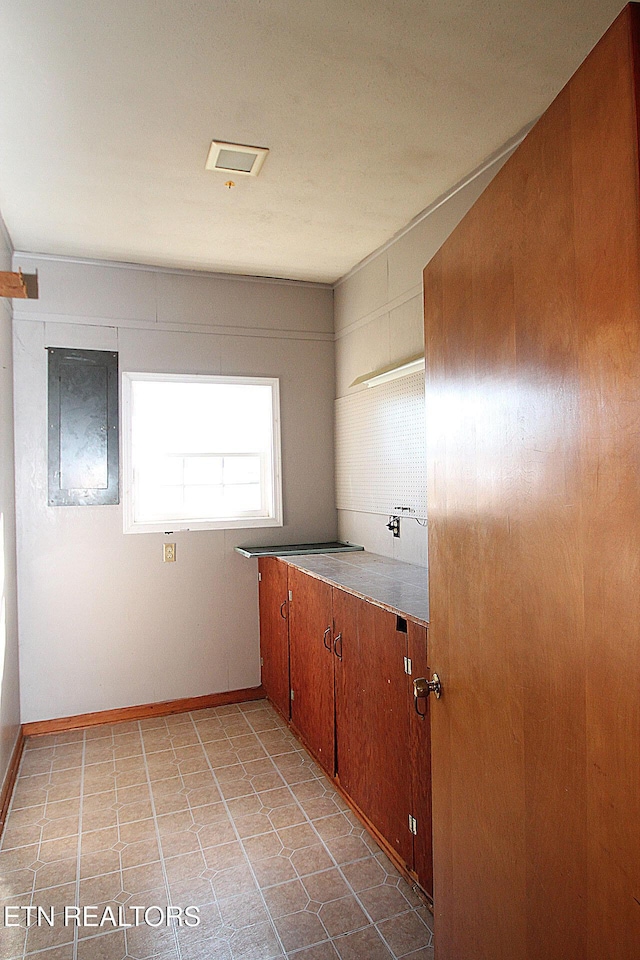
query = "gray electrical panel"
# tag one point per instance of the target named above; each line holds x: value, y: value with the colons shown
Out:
x: 83, y: 427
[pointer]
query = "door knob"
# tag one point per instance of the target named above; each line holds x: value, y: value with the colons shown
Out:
x: 423, y: 687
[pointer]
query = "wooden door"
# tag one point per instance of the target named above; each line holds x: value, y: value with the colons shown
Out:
x: 311, y: 659
x: 274, y: 632
x: 372, y: 719
x: 532, y: 325
x: 349, y: 668
x: 420, y: 753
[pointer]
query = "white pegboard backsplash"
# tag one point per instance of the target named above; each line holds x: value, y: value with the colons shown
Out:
x: 381, y: 449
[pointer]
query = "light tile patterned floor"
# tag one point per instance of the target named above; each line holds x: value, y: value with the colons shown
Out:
x: 220, y: 809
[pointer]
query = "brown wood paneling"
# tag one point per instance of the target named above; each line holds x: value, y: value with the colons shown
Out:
x: 397, y: 860
x: 470, y: 414
x: 550, y: 562
x: 164, y: 708
x: 311, y: 663
x: 274, y: 632
x: 604, y: 108
x: 350, y: 707
x: 373, y: 718
x: 532, y: 332
x: 420, y: 757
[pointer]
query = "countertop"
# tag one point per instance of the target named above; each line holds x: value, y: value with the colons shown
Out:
x: 399, y: 587
x: 295, y: 549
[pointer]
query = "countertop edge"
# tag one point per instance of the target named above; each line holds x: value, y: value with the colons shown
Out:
x: 282, y: 552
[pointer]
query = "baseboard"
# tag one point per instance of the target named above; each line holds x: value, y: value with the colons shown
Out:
x: 10, y: 779
x: 143, y: 712
x: 391, y: 853
x: 283, y: 716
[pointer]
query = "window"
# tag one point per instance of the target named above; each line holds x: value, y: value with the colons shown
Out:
x: 200, y: 452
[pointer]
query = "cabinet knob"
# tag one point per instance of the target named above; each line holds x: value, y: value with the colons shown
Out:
x: 283, y: 607
x: 338, y: 641
x: 327, y: 634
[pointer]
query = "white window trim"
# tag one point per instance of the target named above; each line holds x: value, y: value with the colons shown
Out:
x: 177, y: 526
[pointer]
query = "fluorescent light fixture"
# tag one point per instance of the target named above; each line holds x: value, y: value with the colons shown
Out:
x: 401, y: 368
x: 236, y: 158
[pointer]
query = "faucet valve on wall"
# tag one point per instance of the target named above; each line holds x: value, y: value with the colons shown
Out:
x: 394, y: 526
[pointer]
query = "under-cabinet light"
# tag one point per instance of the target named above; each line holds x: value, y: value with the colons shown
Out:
x: 394, y: 371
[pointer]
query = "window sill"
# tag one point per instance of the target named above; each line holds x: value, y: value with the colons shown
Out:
x: 184, y: 526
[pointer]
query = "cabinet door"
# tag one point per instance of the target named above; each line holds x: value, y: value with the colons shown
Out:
x: 420, y: 751
x: 349, y: 703
x: 372, y: 718
x: 274, y: 632
x: 311, y: 658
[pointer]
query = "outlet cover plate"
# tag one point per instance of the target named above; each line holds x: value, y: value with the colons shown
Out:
x: 168, y: 552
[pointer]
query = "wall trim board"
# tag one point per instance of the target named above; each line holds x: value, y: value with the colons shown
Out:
x: 10, y: 778
x: 410, y: 294
x: 144, y: 711
x: 179, y: 271
x: 167, y: 327
x: 496, y: 157
x: 6, y: 236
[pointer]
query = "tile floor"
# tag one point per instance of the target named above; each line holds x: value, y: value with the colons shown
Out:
x: 220, y: 809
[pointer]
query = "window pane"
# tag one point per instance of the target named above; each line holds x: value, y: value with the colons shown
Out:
x: 243, y: 498
x: 158, y: 503
x: 165, y: 470
x: 203, y: 470
x: 204, y: 501
x: 241, y: 470
x: 201, y: 450
x: 204, y: 418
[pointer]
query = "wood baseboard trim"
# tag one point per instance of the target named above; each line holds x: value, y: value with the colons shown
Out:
x: 143, y: 712
x: 395, y: 858
x: 10, y: 779
x: 280, y: 713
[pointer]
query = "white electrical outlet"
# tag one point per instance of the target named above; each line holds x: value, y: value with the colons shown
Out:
x: 168, y: 552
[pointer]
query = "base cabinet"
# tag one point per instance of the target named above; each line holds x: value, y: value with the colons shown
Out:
x: 274, y: 631
x: 349, y: 670
x: 311, y: 659
x: 372, y: 717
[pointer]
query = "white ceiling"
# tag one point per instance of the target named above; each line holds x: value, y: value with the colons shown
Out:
x: 371, y: 110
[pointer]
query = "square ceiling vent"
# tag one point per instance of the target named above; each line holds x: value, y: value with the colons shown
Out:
x: 236, y: 158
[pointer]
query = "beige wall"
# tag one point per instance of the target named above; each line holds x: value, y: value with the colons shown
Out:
x: 103, y: 622
x: 9, y: 680
x: 378, y: 320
